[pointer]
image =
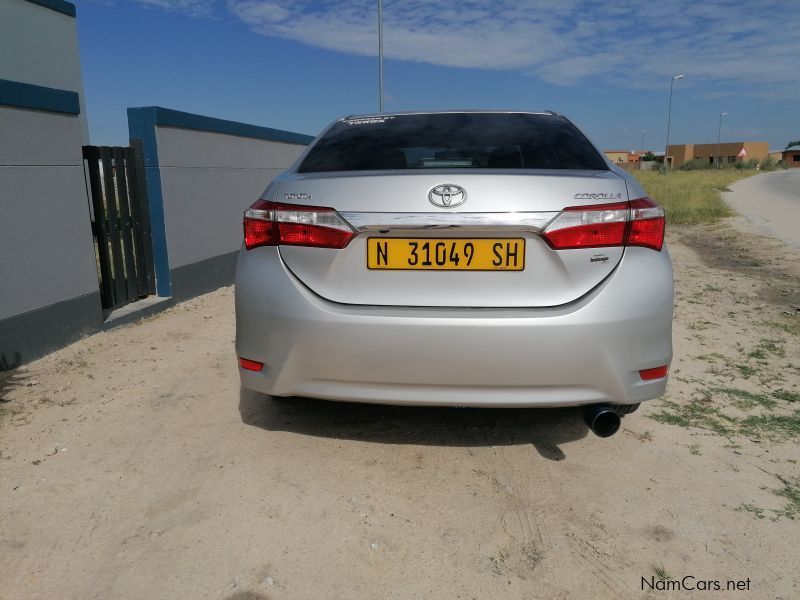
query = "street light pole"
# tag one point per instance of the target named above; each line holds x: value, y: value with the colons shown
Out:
x: 380, y: 55
x: 719, y: 133
x: 641, y: 152
x: 669, y: 120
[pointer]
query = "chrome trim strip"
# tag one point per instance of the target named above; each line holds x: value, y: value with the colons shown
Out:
x: 374, y: 221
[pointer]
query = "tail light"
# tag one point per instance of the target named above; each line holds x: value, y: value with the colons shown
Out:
x: 272, y: 224
x: 635, y: 223
x: 647, y: 224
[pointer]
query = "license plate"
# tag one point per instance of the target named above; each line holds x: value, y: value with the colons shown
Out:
x: 446, y: 254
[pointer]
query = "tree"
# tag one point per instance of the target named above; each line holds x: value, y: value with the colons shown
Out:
x: 790, y: 144
x: 648, y: 156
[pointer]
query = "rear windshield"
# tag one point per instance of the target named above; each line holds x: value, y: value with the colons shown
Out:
x: 453, y: 141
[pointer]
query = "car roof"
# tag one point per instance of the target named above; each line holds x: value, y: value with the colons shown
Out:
x: 383, y: 115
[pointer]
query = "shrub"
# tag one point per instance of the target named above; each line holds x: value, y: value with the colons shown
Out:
x: 750, y: 163
x: 695, y: 164
x: 772, y: 164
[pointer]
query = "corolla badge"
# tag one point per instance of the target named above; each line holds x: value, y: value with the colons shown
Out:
x: 447, y: 195
x: 296, y: 196
x: 598, y: 196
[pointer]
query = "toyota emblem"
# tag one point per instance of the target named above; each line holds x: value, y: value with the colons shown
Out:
x: 447, y: 195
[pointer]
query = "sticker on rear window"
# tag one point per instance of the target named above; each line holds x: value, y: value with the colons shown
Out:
x: 367, y: 120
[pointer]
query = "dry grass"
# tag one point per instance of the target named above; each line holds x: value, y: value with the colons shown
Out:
x: 691, y: 197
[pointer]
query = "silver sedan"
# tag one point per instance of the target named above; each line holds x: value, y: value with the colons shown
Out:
x: 476, y: 258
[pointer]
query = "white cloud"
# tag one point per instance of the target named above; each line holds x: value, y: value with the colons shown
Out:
x: 195, y: 8
x: 472, y: 33
x: 716, y: 44
x: 256, y: 12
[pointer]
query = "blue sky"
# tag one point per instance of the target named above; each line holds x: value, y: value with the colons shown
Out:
x: 299, y: 64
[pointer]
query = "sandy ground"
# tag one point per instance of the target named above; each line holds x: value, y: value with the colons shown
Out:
x: 133, y: 468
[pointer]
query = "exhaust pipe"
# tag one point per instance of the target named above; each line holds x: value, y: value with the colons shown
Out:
x: 602, y: 420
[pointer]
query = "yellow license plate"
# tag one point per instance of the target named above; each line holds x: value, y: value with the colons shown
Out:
x: 446, y: 254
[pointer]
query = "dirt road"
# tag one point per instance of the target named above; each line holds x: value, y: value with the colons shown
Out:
x: 133, y: 468
x: 770, y: 204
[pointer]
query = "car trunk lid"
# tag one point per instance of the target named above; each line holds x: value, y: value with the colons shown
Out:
x: 501, y: 206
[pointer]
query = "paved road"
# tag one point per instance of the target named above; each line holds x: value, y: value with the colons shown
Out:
x: 770, y: 203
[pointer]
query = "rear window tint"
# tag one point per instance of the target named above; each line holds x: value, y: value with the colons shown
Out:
x: 453, y: 141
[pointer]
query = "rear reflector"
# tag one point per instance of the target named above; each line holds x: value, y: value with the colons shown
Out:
x: 655, y: 373
x: 250, y: 365
x: 636, y: 223
x: 272, y: 224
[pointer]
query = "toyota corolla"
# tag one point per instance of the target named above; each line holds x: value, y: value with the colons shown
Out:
x: 478, y: 258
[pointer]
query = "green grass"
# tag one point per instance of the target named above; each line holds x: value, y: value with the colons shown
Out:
x: 773, y: 346
x: 745, y: 400
x: 704, y: 414
x: 790, y: 325
x: 771, y: 427
x: 787, y: 396
x: 756, y: 511
x: 660, y: 572
x: 766, y: 347
x: 746, y: 371
x: 791, y: 492
x: 691, y: 197
x: 711, y: 357
x: 700, y: 414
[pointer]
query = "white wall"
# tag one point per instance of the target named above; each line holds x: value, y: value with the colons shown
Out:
x: 207, y: 181
x: 46, y: 250
x: 39, y: 45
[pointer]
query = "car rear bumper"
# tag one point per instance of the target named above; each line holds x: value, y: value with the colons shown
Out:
x: 587, y: 352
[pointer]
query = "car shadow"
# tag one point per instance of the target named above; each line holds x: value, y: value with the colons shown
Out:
x: 545, y: 428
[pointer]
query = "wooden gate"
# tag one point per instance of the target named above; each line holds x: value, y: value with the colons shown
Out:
x: 120, y: 223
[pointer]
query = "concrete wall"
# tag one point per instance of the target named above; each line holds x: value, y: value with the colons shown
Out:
x: 202, y: 173
x: 48, y: 281
x: 39, y: 45
x: 49, y: 292
x: 208, y: 179
x: 45, y: 232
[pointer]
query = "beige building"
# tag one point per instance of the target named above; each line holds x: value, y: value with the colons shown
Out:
x: 728, y: 152
x: 616, y: 156
x: 623, y: 156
